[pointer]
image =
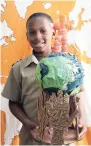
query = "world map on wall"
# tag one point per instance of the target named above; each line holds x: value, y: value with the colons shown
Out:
x: 13, y: 19
x: 14, y: 45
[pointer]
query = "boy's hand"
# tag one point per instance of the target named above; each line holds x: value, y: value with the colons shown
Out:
x: 30, y: 127
x: 82, y: 129
x: 47, y: 137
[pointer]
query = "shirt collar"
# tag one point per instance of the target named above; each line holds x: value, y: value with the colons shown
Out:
x: 31, y: 59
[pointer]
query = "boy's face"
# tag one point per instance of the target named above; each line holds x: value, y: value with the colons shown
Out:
x: 39, y: 34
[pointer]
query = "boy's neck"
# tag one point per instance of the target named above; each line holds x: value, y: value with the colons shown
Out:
x: 40, y: 55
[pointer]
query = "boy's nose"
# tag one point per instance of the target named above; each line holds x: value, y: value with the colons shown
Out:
x: 38, y: 35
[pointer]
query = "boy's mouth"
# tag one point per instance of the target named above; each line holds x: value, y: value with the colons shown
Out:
x: 38, y: 44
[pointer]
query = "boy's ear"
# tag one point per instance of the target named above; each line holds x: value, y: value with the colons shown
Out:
x: 27, y: 35
x: 54, y: 32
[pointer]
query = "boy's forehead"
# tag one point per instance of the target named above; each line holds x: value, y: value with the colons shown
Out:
x: 39, y: 21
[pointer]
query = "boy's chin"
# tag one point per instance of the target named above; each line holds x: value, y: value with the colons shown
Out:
x: 40, y: 50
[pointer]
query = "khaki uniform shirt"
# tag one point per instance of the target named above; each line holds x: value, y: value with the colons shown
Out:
x: 21, y: 87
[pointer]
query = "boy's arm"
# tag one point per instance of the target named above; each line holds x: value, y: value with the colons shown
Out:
x: 80, y: 108
x: 12, y: 91
x: 18, y: 111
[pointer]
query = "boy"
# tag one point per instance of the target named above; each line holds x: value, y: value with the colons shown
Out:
x: 21, y: 88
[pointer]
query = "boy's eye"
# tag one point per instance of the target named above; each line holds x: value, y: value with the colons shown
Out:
x: 32, y: 32
x: 43, y: 31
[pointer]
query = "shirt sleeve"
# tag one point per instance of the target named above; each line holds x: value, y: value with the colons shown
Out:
x: 12, y: 90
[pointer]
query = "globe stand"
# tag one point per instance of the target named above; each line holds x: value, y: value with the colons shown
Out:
x: 57, y: 112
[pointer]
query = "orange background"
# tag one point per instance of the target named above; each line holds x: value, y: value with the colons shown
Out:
x: 20, y: 48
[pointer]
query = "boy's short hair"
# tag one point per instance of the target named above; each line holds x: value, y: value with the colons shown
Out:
x: 39, y: 14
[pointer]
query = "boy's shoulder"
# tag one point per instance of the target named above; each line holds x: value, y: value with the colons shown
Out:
x: 16, y: 63
x: 22, y: 62
x: 19, y: 66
